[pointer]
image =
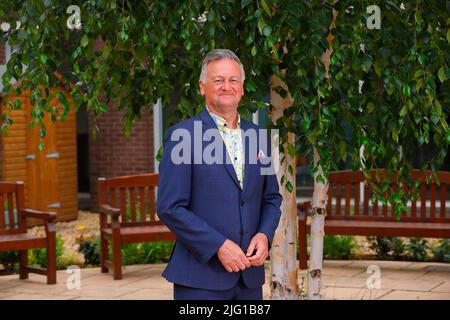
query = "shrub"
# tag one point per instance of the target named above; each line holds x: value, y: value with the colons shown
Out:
x: 10, y: 261
x: 417, y: 249
x: 90, y: 250
x: 38, y: 257
x: 387, y: 248
x: 441, y: 253
x: 339, y: 247
x: 133, y: 253
x: 69, y: 258
x: 147, y: 252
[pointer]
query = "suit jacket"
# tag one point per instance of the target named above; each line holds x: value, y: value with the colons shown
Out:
x: 203, y: 205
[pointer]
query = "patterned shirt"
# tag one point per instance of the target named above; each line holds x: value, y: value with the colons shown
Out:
x: 233, y: 143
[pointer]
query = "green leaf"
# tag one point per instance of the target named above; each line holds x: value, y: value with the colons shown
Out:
x: 211, y: 16
x: 43, y: 58
x: 249, y: 39
x: 448, y: 35
x: 422, y: 59
x: 289, y: 186
x: 261, y: 25
x: 17, y: 104
x: 267, y: 30
x: 245, y: 3
x: 406, y: 90
x: 254, y: 51
x: 84, y: 40
x: 447, y: 137
x: 291, y: 150
x: 266, y: 7
x: 250, y: 86
x: 403, y: 111
x: 290, y: 170
x: 367, y: 62
x: 441, y: 74
x: 106, y: 51
x: 343, y: 150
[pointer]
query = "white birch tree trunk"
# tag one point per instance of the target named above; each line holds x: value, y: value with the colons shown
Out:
x: 283, y: 256
x: 318, y: 213
x: 319, y: 204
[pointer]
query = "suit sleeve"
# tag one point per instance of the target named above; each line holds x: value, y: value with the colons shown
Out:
x: 270, y: 205
x: 174, y: 191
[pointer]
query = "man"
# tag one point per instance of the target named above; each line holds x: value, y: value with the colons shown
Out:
x: 224, y: 215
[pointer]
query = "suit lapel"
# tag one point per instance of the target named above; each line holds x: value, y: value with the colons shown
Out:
x: 208, y: 123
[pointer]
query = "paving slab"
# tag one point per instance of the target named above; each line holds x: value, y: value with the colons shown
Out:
x: 341, y: 280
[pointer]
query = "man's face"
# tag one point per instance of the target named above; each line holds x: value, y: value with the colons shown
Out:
x: 223, y: 86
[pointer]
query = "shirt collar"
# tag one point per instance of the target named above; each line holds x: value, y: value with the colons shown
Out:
x: 221, y: 122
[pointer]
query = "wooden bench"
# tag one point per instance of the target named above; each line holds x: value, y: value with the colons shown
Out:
x: 128, y: 215
x: 14, y: 235
x: 350, y: 210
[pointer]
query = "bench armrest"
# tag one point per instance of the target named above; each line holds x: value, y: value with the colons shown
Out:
x: 46, y: 216
x: 108, y: 210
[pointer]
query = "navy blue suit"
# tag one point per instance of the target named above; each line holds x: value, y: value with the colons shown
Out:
x: 203, y: 204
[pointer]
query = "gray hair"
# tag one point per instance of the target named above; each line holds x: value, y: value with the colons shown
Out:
x: 219, y: 54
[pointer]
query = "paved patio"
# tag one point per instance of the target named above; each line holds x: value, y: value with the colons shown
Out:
x: 342, y: 280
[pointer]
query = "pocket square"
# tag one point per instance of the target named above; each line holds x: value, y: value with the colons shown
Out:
x: 260, y: 155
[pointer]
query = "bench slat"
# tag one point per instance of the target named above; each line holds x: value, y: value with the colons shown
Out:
x: 387, y: 228
x: 338, y: 199
x: 151, y: 196
x: 357, y: 191
x: 433, y: 200
x: 112, y: 193
x: 142, y: 202
x: 12, y: 223
x: 366, y: 199
x: 347, y: 198
x: 132, y: 204
x: 330, y: 195
x: 122, y: 199
x: 423, y: 199
x: 442, y: 196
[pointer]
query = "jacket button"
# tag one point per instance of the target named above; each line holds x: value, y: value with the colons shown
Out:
x: 242, y: 203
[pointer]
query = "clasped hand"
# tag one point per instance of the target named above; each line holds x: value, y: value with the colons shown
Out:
x: 234, y: 259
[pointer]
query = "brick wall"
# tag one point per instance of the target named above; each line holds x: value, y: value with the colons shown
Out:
x: 112, y: 154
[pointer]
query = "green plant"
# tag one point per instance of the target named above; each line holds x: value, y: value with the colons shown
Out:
x: 68, y: 258
x: 147, y: 252
x: 38, y: 257
x: 91, y: 251
x: 387, y: 248
x: 417, y: 249
x: 441, y: 253
x: 339, y: 247
x: 9, y: 260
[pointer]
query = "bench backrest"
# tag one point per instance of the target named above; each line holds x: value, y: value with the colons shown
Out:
x: 350, y: 198
x: 134, y: 195
x: 12, y: 201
